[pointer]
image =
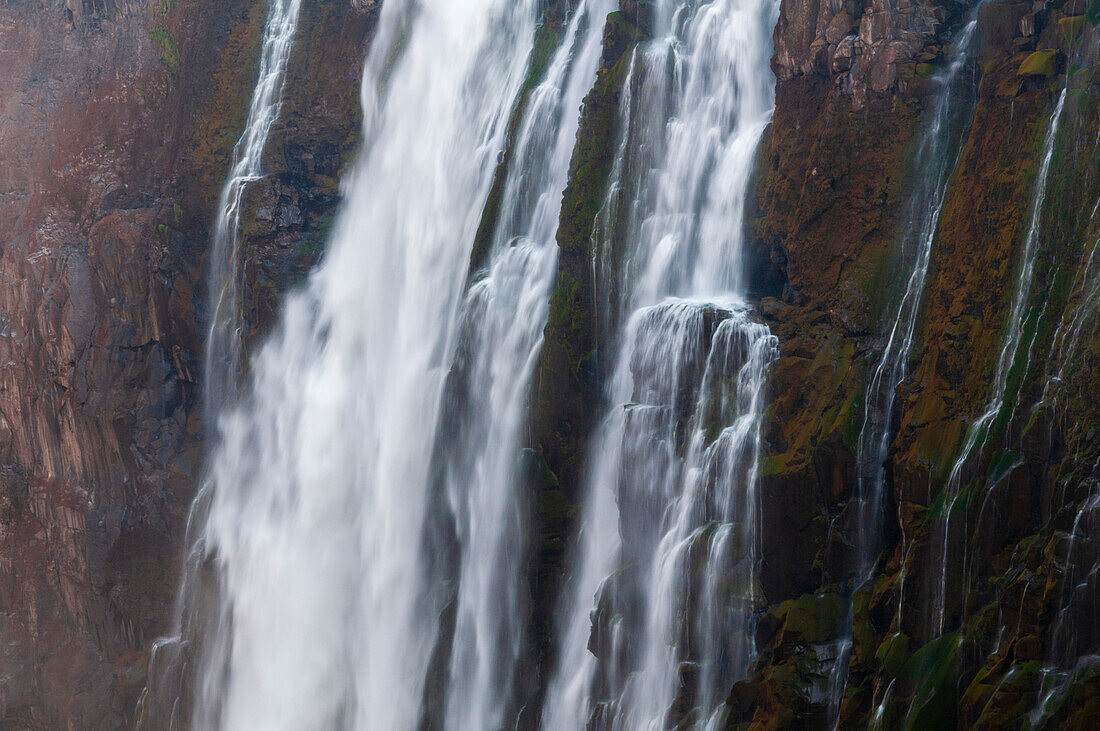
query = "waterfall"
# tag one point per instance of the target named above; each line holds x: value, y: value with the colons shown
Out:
x: 1073, y: 642
x: 223, y: 345
x: 1067, y: 339
x: 159, y: 703
x: 362, y: 524
x: 978, y: 431
x: 671, y: 628
x: 1072, y: 637
x: 500, y: 335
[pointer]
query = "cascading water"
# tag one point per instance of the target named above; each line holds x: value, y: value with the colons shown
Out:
x: 1073, y: 639
x: 937, y: 155
x: 159, y: 704
x: 978, y: 431
x: 500, y: 335
x: 223, y: 346
x: 1073, y: 643
x: 326, y: 487
x: 671, y: 629
x: 321, y: 485
x: 1071, y: 328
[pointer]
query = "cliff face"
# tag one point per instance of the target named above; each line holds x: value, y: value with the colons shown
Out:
x: 117, y: 123
x: 837, y: 171
x: 974, y: 596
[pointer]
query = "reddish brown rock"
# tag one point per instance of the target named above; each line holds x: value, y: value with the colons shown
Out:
x: 117, y: 122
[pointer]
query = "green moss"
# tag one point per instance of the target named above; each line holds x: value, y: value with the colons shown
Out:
x: 813, y: 618
x: 775, y: 464
x: 933, y: 668
x: 893, y: 653
x: 1072, y: 27
x: 315, y: 241
x: 169, y: 52
x: 1002, y: 463
x: 1010, y: 699
x: 1040, y: 63
x: 1093, y: 13
x: 947, y: 504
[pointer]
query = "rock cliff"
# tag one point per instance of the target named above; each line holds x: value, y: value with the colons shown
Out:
x: 1012, y: 496
x: 117, y: 123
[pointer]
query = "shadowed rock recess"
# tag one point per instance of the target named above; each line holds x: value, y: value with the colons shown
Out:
x: 916, y: 537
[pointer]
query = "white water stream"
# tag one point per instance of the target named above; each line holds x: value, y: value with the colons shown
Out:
x: 673, y: 470
x: 359, y: 549
x: 223, y: 347
x: 978, y: 431
x: 160, y: 703
x: 325, y: 487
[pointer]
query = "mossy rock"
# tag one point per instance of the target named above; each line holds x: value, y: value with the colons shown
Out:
x: 1011, y: 697
x: 1072, y: 27
x: 1040, y: 63
x: 893, y: 653
x: 1077, y: 704
x: 167, y: 49
x: 934, y: 670
x: 813, y: 618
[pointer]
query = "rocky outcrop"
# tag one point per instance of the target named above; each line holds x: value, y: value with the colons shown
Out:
x: 117, y: 122
x: 289, y: 213
x: 860, y: 46
x: 566, y: 382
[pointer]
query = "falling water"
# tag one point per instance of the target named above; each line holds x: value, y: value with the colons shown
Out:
x: 331, y: 478
x: 223, y: 346
x: 1072, y: 327
x: 1013, y: 331
x: 159, y: 704
x: 1072, y: 634
x: 671, y: 626
x: 937, y: 155
x: 502, y: 320
x: 321, y: 482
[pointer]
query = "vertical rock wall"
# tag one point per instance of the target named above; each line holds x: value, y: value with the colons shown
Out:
x: 117, y: 123
x: 835, y: 173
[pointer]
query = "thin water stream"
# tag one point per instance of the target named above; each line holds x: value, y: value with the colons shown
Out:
x: 978, y: 431
x: 160, y: 703
x: 937, y: 155
x: 224, y: 337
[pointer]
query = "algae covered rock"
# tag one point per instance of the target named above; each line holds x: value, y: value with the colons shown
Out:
x: 1040, y: 63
